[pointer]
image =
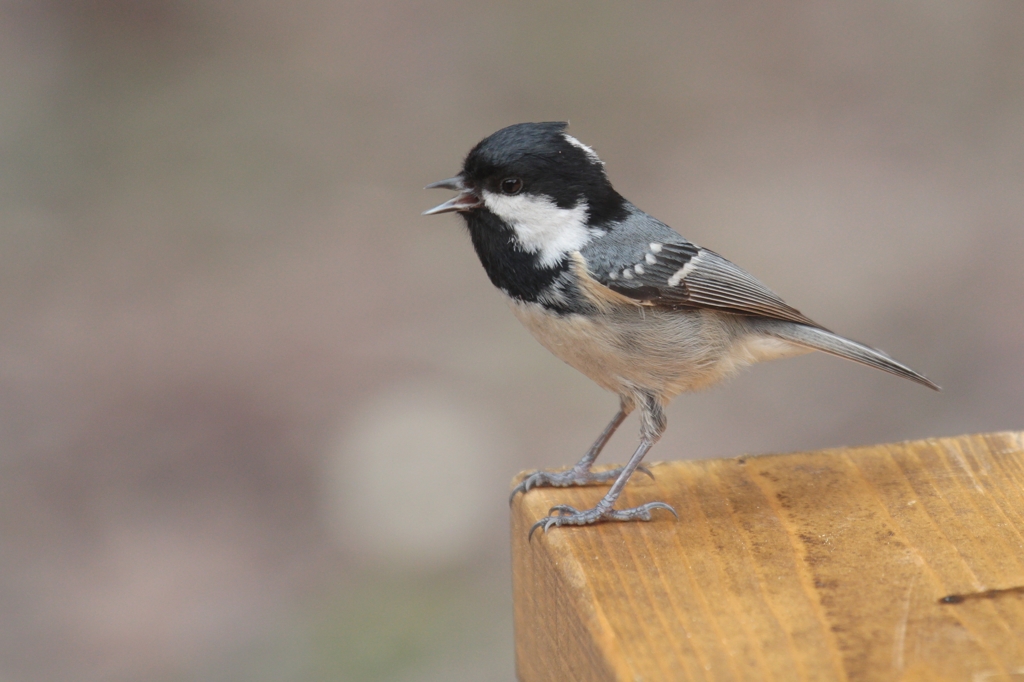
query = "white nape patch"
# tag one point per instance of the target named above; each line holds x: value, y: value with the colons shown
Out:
x: 651, y: 260
x: 656, y: 247
x: 627, y: 274
x: 591, y: 154
x: 541, y: 226
x: 682, y: 272
x: 639, y: 269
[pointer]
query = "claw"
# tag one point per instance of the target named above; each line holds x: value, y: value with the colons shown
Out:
x: 661, y: 505
x: 530, y: 481
x: 535, y: 527
x: 646, y: 471
x: 559, y: 479
x: 520, y: 488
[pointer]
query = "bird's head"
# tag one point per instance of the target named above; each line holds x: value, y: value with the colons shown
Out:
x: 549, y: 188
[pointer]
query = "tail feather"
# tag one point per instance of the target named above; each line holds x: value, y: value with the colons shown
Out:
x: 828, y: 342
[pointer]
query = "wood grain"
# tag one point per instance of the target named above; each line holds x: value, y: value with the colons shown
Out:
x: 892, y: 562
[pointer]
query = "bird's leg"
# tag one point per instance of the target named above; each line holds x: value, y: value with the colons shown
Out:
x: 652, y: 422
x: 581, y: 473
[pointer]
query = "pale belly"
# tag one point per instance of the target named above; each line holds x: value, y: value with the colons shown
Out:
x: 666, y: 352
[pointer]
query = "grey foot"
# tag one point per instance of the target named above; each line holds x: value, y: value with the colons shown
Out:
x: 564, y: 479
x: 570, y: 516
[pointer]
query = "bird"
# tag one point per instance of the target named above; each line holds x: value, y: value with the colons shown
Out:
x: 618, y: 295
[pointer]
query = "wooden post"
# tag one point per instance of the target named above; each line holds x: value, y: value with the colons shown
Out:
x: 893, y: 562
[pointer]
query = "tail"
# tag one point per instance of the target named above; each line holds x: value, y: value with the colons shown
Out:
x: 823, y: 340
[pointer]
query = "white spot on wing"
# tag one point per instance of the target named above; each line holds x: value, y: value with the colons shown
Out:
x: 639, y: 269
x: 682, y: 272
x: 656, y: 247
x: 627, y: 274
x: 542, y: 227
x: 651, y: 260
x: 613, y: 275
x: 591, y: 154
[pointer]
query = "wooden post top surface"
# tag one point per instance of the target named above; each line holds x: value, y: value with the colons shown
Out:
x: 892, y: 562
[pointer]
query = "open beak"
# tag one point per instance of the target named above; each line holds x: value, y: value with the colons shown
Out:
x: 466, y: 200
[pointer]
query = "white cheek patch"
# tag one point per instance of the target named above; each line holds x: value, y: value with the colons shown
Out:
x: 542, y: 227
x: 591, y: 154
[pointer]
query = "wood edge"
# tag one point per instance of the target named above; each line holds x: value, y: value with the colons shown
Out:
x: 559, y: 573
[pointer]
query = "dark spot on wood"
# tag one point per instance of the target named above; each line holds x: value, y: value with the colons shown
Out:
x: 987, y: 594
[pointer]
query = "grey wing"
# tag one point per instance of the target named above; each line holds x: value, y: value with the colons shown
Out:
x: 663, y: 269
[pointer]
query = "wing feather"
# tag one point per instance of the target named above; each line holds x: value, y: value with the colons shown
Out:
x: 685, y: 275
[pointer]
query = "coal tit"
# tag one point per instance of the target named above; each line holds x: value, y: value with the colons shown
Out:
x: 618, y: 295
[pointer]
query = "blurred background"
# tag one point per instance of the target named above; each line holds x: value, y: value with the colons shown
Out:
x: 258, y: 417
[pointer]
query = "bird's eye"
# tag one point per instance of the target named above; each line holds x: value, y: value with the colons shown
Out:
x: 511, y: 186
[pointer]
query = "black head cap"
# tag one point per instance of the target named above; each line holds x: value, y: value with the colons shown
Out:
x: 548, y: 162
